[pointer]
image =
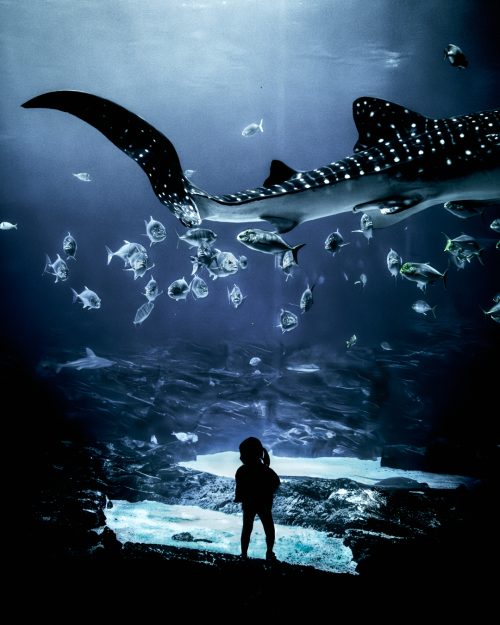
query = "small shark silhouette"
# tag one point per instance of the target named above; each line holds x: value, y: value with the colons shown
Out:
x: 91, y: 361
x: 403, y: 163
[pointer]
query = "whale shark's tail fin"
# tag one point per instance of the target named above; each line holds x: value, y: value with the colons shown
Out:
x: 148, y: 147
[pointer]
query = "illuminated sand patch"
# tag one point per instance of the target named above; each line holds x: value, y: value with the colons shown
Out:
x: 368, y: 472
x: 151, y: 522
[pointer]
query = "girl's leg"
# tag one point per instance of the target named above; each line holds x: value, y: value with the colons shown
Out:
x: 246, y: 531
x: 266, y: 516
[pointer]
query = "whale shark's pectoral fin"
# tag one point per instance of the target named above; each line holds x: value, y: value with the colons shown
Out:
x: 148, y: 147
x: 278, y: 173
x: 281, y: 224
x: 390, y: 205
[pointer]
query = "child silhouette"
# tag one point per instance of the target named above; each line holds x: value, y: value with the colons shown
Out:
x: 256, y: 484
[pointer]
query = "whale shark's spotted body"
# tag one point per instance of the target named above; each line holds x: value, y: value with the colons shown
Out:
x: 403, y: 162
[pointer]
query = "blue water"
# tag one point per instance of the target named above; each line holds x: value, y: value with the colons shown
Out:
x: 200, y: 72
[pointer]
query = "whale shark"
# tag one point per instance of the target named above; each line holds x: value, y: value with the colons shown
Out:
x: 402, y: 163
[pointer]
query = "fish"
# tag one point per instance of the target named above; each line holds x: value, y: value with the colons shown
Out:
x: 198, y: 287
x: 334, y: 242
x: 422, y: 307
x: 151, y: 290
x: 455, y: 56
x: 466, y: 209
x: 186, y: 437
x: 286, y: 263
x: 179, y: 289
x: 143, y: 312
x: 153, y: 440
x: 126, y: 251
x: 288, y: 321
x: 189, y: 173
x: 222, y: 264
x: 235, y: 296
x: 6, y: 225
x: 254, y: 361
x: 495, y: 225
x: 88, y: 298
x: 252, y: 129
x: 305, y: 368
x: 386, y: 346
x: 198, y: 237
x: 402, y: 163
x: 90, y: 361
x: 138, y: 262
x: 366, y: 224
x: 463, y: 248
x: 394, y: 262
x: 155, y: 231
x: 422, y: 273
x: 58, y: 268
x: 352, y: 341
x: 362, y: 280
x: 243, y: 262
x: 267, y: 242
x: 83, y: 176
x: 306, y: 299
x: 69, y: 246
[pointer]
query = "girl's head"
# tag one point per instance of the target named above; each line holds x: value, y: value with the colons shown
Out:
x: 251, y: 450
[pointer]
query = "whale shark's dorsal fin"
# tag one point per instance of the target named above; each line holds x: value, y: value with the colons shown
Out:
x: 278, y: 173
x: 90, y: 353
x: 378, y: 121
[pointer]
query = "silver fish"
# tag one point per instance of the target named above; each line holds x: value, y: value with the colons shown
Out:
x: 179, y: 289
x: 83, y: 176
x: 362, y: 280
x: 394, y: 262
x: 222, y: 264
x: 366, y: 226
x: 267, y: 242
x: 189, y: 173
x: 88, y: 298
x: 286, y: 262
x: 198, y: 287
x: 139, y: 264
x: 306, y: 299
x: 465, y: 209
x: 422, y: 273
x: 235, y: 296
x: 334, y: 242
x: 455, y: 56
x: 305, y: 368
x: 352, y: 341
x: 143, y: 312
x: 155, y: 231
x: 126, y: 251
x: 91, y: 361
x: 402, y: 163
x: 58, y: 268
x: 385, y: 346
x: 495, y: 225
x: 254, y: 361
x: 69, y: 246
x: 243, y: 262
x: 252, y: 129
x: 464, y: 247
x: 288, y: 321
x: 151, y: 290
x: 6, y: 225
x: 422, y: 307
x: 197, y: 237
